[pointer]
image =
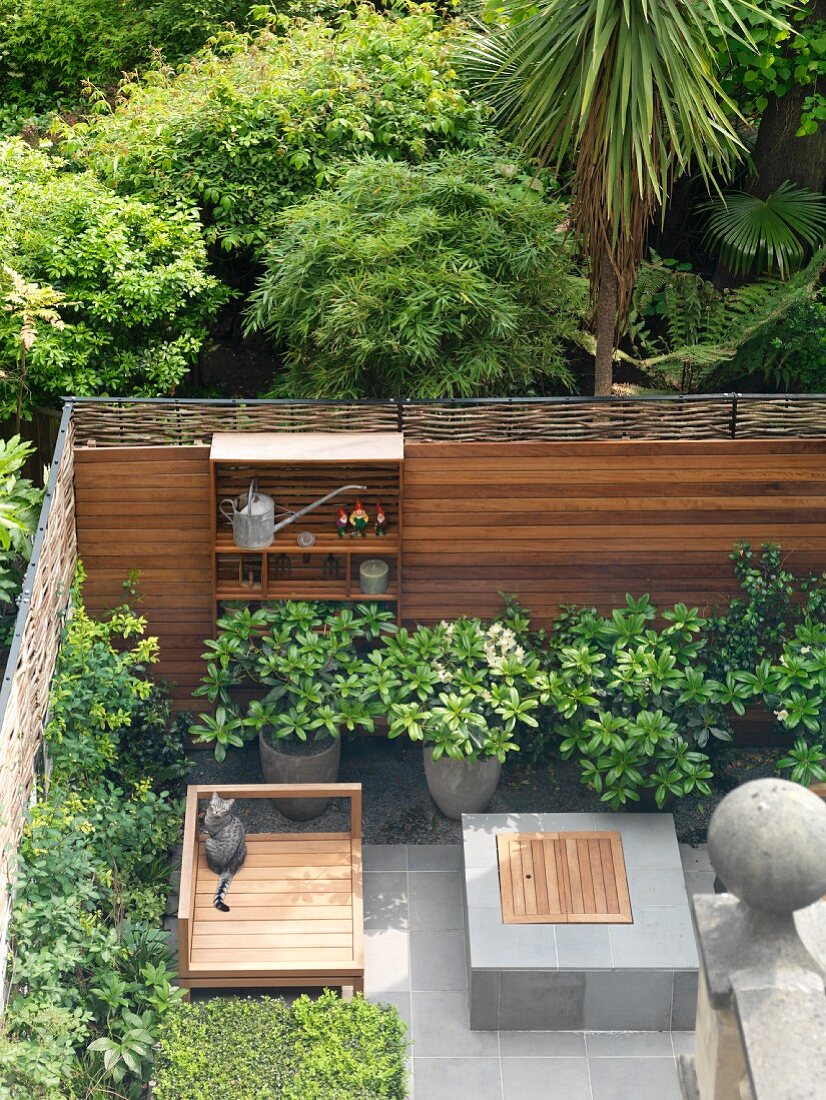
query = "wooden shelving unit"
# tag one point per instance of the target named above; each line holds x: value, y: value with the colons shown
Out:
x: 297, y: 469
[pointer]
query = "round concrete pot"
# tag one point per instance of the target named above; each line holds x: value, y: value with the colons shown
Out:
x: 286, y: 767
x: 461, y: 786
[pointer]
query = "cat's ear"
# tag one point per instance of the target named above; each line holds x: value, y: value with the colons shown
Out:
x: 230, y: 803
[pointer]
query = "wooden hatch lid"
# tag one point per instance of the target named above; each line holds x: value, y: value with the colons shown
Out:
x: 563, y: 878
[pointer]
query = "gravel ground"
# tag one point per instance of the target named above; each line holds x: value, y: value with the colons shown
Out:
x: 399, y: 810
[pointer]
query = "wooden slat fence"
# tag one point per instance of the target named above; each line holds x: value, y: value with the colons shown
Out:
x: 147, y: 509
x: 557, y: 523
x: 552, y: 523
x: 25, y: 693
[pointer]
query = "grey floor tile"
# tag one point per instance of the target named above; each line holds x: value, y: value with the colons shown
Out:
x: 436, y: 900
x: 457, y: 1079
x: 683, y: 1042
x: 482, y: 887
x: 656, y: 886
x: 629, y: 1044
x: 695, y: 859
x: 629, y: 1000
x: 440, y: 1029
x: 386, y: 962
x: 434, y: 857
x: 384, y: 857
x: 660, y: 937
x: 542, y: 1078
x: 399, y: 1001
x: 583, y: 946
x: 496, y: 945
x: 634, y: 1079
x: 648, y: 840
x: 541, y: 1044
x: 437, y: 960
x: 385, y: 900
x: 699, y: 882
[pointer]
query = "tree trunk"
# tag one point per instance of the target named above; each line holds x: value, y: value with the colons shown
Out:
x: 605, y: 324
x: 779, y: 155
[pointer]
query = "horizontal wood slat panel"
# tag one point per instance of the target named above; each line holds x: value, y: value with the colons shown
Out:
x: 557, y: 523
x: 553, y: 523
x: 147, y: 509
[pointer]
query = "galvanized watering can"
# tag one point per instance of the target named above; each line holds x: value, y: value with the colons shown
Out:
x: 253, y: 515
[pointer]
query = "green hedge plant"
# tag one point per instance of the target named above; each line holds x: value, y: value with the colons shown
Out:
x: 315, y: 1049
x: 450, y: 279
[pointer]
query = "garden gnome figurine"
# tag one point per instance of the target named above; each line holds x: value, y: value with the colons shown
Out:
x: 381, y: 521
x: 358, y: 521
x: 342, y: 522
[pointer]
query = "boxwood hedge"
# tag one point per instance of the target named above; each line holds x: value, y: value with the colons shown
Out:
x: 314, y: 1049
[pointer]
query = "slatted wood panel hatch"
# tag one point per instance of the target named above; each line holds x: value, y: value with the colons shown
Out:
x: 291, y: 907
x: 563, y: 878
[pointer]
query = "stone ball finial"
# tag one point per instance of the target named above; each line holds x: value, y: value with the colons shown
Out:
x: 767, y: 842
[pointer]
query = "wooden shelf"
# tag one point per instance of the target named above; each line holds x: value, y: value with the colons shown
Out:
x: 371, y: 546
x: 297, y: 469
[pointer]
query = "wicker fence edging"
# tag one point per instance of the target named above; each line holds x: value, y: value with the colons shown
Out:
x: 24, y: 696
x: 135, y: 422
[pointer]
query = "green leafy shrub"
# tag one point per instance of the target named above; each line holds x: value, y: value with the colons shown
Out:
x: 303, y: 658
x: 91, y: 972
x: 450, y: 279
x: 136, y: 297
x: 19, y: 508
x: 51, y: 46
x: 324, y: 1049
x: 632, y: 702
x: 256, y: 123
x: 462, y: 687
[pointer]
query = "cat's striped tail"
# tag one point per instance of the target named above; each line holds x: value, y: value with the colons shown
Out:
x: 223, y: 885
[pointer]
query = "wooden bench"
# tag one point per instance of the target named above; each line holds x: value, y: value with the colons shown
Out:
x: 296, y: 916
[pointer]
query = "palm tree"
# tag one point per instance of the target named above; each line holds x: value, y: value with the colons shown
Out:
x: 627, y: 87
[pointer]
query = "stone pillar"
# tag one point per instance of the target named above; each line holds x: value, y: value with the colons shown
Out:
x: 761, y: 1011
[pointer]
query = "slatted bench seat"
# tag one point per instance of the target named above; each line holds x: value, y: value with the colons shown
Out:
x: 296, y: 917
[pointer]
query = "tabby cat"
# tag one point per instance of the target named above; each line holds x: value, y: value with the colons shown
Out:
x: 225, y: 847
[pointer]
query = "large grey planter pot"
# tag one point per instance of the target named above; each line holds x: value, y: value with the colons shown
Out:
x: 461, y: 786
x: 282, y: 767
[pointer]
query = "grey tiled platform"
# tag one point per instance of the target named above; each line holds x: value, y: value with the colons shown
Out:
x: 640, y: 976
x: 418, y: 890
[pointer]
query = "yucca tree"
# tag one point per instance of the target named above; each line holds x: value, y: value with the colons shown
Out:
x: 627, y: 88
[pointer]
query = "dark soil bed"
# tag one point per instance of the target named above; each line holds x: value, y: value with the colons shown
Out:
x: 398, y: 808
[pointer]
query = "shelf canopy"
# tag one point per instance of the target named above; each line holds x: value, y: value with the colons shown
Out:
x: 247, y: 447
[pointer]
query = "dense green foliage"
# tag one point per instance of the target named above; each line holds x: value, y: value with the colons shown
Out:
x: 451, y: 279
x: 324, y: 1049
x: 464, y: 688
x: 777, y: 58
x: 694, y: 337
x: 134, y: 297
x: 258, y: 122
x: 90, y: 968
x: 19, y: 507
x: 303, y: 657
x: 50, y: 47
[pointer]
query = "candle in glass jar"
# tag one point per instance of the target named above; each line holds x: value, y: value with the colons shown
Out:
x: 373, y: 576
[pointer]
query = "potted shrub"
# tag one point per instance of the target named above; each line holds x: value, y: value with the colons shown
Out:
x: 634, y: 703
x: 301, y: 663
x: 462, y: 689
